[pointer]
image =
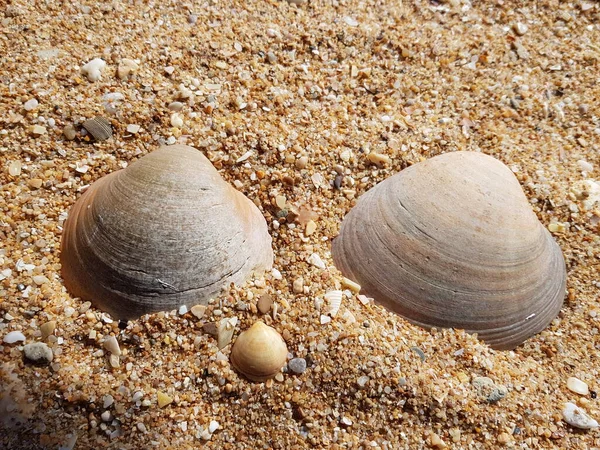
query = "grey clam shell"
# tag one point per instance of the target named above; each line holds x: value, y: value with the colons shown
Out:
x: 452, y: 242
x: 164, y: 232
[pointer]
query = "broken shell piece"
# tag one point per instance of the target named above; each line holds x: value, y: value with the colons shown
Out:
x: 577, y: 386
x: 99, y: 127
x: 225, y: 331
x: 259, y: 353
x: 112, y: 345
x: 164, y: 232
x: 93, y: 69
x: 335, y: 301
x: 576, y: 417
x: 454, y: 243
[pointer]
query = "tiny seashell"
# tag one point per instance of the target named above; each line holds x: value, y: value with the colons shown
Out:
x: 259, y: 353
x: 335, y: 301
x: 577, y: 386
x: 99, y: 127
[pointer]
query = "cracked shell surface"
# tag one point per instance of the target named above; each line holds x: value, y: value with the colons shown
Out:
x: 452, y: 242
x: 164, y: 232
x: 259, y: 353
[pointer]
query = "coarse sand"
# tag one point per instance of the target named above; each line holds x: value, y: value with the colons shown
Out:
x: 302, y: 106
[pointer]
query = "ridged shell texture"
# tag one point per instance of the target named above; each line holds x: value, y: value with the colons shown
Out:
x: 453, y: 242
x: 164, y: 232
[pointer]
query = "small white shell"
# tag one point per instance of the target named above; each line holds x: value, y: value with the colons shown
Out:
x: 577, y: 417
x: 334, y: 298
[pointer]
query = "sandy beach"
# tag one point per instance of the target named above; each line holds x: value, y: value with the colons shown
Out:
x: 302, y: 106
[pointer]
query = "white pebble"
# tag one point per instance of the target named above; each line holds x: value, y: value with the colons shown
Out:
x: 176, y: 120
x: 30, y: 105
x: 183, y: 309
x: 137, y: 396
x: 213, y: 426
x: 93, y: 69
x: 14, y: 336
x: 362, y: 381
x: 577, y: 386
x: 112, y: 345
x: 585, y: 166
x: 325, y: 319
x: 276, y: 274
x: 107, y: 400
x: 106, y: 416
x: 39, y: 353
x: 577, y: 417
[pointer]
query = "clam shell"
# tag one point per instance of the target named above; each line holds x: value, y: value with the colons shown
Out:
x: 452, y: 242
x: 259, y: 353
x: 164, y: 232
x: 99, y: 127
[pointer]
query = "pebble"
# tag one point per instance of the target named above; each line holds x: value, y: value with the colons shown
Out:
x: 264, y: 303
x: 93, y: 69
x: 69, y: 132
x: 198, y: 311
x: 106, y: 416
x: 577, y: 386
x: 577, y: 417
x: 30, y: 105
x: 311, y: 227
x: 362, y: 381
x: 175, y: 106
x: 520, y: 28
x: 14, y: 336
x: 38, y: 352
x: 38, y: 130
x: 112, y: 345
x: 585, y: 166
x: 126, y: 68
x: 107, y: 400
x: 40, y: 279
x: 298, y: 285
x: 163, y: 399
x: 176, y: 120
x: 297, y: 365
x: 213, y: 426
x: 47, y: 329
x: 14, y: 168
x: 133, y: 128
x: 489, y: 390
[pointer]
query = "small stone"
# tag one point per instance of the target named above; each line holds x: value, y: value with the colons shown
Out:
x: 198, y: 311
x: 69, y: 132
x: 311, y: 227
x: 133, y: 128
x: 226, y: 328
x: 520, y: 28
x: 112, y: 345
x: 30, y: 105
x: 280, y: 201
x: 298, y: 285
x: 315, y: 260
x: 345, y: 422
x: 297, y: 365
x: 14, y: 168
x: 176, y: 120
x: 93, y: 69
x: 38, y: 353
x: 40, y: 279
x: 577, y: 386
x: 585, y: 166
x: 175, y: 106
x: 47, y: 329
x: 106, y: 416
x: 378, y: 159
x: 163, y: 399
x: 14, y: 336
x: 107, y: 400
x: 113, y: 360
x: 35, y: 183
x: 487, y: 389
x: 213, y: 426
x: 264, y: 303
x: 221, y: 65
x: 436, y: 441
x: 325, y: 319
x: 183, y: 309
x: 302, y: 162
x: 577, y: 417
x: 126, y: 68
x: 362, y: 381
x: 38, y: 130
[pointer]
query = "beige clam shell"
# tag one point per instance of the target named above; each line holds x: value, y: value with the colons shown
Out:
x: 453, y: 242
x: 164, y: 232
x: 259, y: 353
